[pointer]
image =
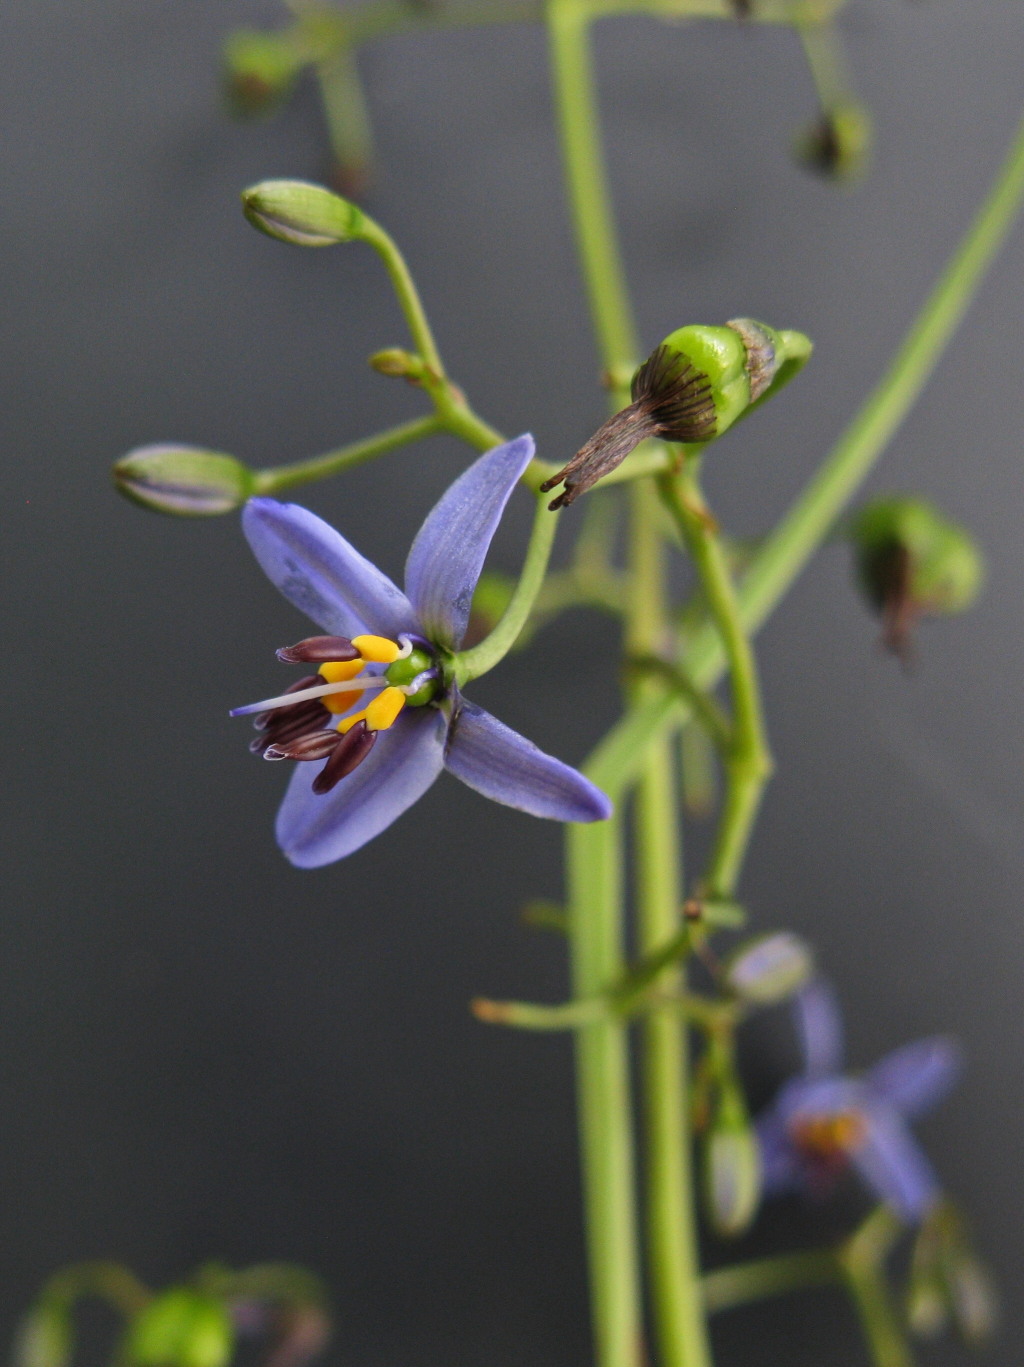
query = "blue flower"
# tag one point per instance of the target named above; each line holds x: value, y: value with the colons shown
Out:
x: 392, y: 647
x: 822, y: 1121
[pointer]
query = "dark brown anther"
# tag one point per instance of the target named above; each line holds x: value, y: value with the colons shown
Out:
x: 670, y: 399
x: 889, y: 575
x: 289, y: 723
x: 349, y: 753
x: 317, y: 650
x: 315, y: 745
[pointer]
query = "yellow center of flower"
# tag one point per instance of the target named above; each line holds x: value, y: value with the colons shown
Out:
x: 385, y: 707
x: 829, y: 1136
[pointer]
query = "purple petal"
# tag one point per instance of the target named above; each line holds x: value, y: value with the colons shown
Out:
x: 917, y: 1077
x: 503, y: 765
x: 893, y: 1165
x: 406, y: 760
x: 321, y: 574
x: 780, y: 1162
x: 820, y: 1026
x: 448, y: 554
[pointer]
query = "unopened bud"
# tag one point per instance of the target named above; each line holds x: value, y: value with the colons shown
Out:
x: 403, y: 365
x: 45, y: 1337
x: 181, y: 1328
x: 910, y: 561
x: 973, y: 1299
x: 838, y: 145
x: 769, y: 968
x: 732, y: 1174
x: 259, y: 71
x: 183, y: 480
x: 691, y: 389
x: 299, y: 212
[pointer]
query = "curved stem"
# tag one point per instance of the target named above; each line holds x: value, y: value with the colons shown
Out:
x: 408, y: 297
x: 747, y: 759
x: 470, y: 664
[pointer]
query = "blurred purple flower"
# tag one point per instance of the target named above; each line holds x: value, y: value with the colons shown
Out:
x: 420, y: 719
x: 822, y: 1121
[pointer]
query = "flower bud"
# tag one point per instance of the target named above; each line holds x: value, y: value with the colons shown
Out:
x: 299, y: 212
x: 45, y: 1337
x: 259, y: 71
x: 910, y: 561
x: 769, y: 968
x: 732, y: 1166
x: 972, y: 1299
x: 183, y: 480
x: 403, y: 365
x: 947, y: 1280
x: 181, y: 1328
x: 838, y: 145
x: 691, y: 389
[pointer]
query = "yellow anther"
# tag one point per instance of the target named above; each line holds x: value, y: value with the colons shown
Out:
x: 377, y: 650
x: 339, y: 671
x: 385, y: 707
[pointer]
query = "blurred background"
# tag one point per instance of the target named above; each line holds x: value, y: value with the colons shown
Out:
x: 205, y: 1053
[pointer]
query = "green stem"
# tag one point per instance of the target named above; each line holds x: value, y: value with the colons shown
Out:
x: 275, y: 478
x: 346, y: 116
x: 106, y: 1281
x: 594, y: 877
x: 747, y: 759
x: 470, y: 664
x: 672, y: 1258
x: 407, y: 294
x: 727, y: 1287
x: 579, y: 123
x: 615, y: 762
x: 824, y: 58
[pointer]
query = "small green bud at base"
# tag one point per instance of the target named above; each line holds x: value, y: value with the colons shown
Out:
x: 838, y: 146
x: 259, y: 71
x: 769, y: 968
x: 910, y: 560
x: 397, y: 362
x: 183, y: 481
x: 181, y: 1328
x: 302, y: 213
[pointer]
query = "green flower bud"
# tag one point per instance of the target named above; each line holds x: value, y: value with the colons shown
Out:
x: 947, y: 1280
x: 403, y: 365
x: 911, y: 561
x: 259, y: 71
x: 838, y: 145
x: 973, y: 1299
x: 732, y: 1165
x: 302, y: 213
x: 45, y: 1336
x: 769, y: 968
x: 691, y: 389
x: 183, y: 480
x: 181, y: 1328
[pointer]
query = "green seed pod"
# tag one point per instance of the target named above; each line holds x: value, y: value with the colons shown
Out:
x: 732, y: 1165
x: 183, y: 480
x: 45, y: 1337
x: 299, y: 212
x: 910, y: 561
x: 181, y: 1328
x: 769, y: 968
x: 691, y: 389
x: 838, y: 145
x: 259, y: 71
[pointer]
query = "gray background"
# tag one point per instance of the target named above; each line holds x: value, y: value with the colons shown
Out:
x: 205, y: 1053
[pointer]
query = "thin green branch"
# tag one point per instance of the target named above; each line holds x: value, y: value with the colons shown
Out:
x: 275, y: 478
x: 348, y: 121
x: 728, y: 1287
x: 470, y: 664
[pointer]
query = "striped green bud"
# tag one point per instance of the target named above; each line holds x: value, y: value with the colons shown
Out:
x: 184, y: 481
x: 299, y: 212
x: 691, y: 389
